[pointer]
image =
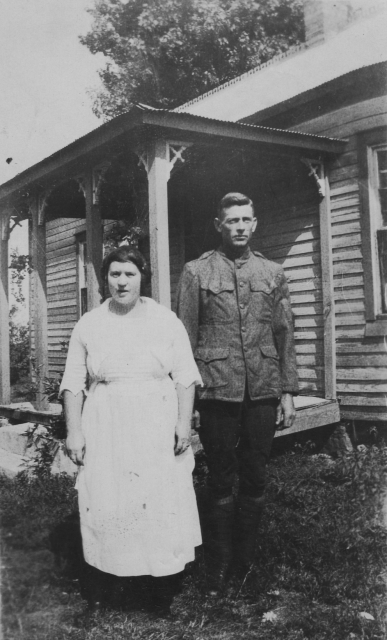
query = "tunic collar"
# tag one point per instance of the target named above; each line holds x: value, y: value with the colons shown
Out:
x: 237, y: 261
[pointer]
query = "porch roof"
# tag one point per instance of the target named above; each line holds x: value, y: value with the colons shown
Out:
x: 149, y: 123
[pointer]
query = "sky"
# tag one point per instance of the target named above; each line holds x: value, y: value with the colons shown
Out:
x: 46, y: 77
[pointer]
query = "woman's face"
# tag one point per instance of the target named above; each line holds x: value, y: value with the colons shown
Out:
x: 124, y: 280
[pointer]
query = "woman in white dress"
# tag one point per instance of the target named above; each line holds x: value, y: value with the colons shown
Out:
x: 128, y: 388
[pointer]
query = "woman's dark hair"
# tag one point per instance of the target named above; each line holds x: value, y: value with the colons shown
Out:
x: 125, y: 253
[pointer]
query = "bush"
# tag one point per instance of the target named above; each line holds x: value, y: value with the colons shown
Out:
x: 322, y: 531
x: 19, y: 351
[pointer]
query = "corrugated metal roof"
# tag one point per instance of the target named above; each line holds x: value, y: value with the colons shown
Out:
x: 183, y: 124
x: 255, y: 127
x: 361, y: 45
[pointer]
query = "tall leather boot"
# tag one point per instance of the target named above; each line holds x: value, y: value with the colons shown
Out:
x: 221, y: 547
x: 248, y: 517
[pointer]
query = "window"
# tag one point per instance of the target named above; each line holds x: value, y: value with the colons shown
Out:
x: 82, y: 273
x: 373, y: 191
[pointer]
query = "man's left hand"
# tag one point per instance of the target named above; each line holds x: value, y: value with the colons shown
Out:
x: 286, y: 413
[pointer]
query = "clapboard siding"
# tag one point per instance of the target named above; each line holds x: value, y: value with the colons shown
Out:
x: 62, y: 277
x: 61, y: 286
x: 361, y: 369
x: 298, y: 250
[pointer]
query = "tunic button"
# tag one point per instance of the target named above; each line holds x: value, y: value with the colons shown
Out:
x: 244, y: 348
x: 242, y: 306
x: 241, y: 284
x: 243, y: 329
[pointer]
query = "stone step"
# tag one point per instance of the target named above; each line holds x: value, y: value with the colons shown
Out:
x: 10, y: 463
x: 13, y: 438
x: 13, y: 448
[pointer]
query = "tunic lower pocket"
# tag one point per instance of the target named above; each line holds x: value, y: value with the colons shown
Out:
x: 213, y: 366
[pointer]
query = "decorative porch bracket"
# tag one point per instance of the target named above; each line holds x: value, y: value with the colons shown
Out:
x: 42, y: 205
x: 175, y: 151
x: 82, y: 184
x: 98, y: 178
x: 316, y: 170
x: 327, y: 287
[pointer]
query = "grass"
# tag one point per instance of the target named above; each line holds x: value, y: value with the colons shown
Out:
x: 321, y: 562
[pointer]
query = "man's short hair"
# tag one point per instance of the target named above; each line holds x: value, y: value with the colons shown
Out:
x: 232, y: 199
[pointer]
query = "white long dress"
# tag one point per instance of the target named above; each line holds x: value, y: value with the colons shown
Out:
x: 136, y: 498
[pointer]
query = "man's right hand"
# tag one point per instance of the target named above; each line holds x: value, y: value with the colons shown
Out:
x: 75, y: 447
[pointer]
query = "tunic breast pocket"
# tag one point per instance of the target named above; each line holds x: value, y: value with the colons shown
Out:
x: 262, y: 300
x: 218, y: 302
x: 213, y: 366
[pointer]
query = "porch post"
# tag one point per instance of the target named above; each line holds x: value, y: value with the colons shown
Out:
x: 38, y: 261
x: 94, y: 243
x: 158, y: 175
x: 327, y: 290
x: 5, y: 386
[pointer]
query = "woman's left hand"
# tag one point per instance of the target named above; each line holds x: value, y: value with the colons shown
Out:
x: 182, y: 439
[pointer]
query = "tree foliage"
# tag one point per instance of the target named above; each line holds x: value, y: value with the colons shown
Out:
x: 165, y: 52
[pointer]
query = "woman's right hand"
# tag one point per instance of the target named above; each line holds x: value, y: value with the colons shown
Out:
x: 75, y: 447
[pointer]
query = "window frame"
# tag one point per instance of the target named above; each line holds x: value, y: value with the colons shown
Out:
x: 369, y: 143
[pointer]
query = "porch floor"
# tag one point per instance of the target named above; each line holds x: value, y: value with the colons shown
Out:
x: 311, y: 411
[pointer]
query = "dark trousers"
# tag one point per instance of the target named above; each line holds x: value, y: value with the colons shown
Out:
x: 237, y: 435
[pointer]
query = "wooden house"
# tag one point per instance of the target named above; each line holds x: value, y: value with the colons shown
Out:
x: 334, y: 85
x: 302, y: 152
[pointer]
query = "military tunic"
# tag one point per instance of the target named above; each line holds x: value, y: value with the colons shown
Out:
x: 238, y: 316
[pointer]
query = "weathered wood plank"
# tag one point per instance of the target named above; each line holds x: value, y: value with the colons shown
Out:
x: 346, y: 282
x: 338, y: 191
x: 38, y: 260
x: 58, y: 282
x: 313, y: 284
x: 344, y: 268
x: 361, y: 347
x: 307, y: 298
x: 308, y: 322
x: 357, y: 414
x: 313, y: 417
x: 344, y: 241
x: 349, y: 333
x: 304, y: 274
x: 349, y: 320
x: 362, y: 361
x: 290, y: 238
x: 5, y: 385
x: 349, y: 306
x: 310, y: 360
x: 346, y: 229
x: 294, y: 249
x: 316, y: 347
x: 356, y: 293
x: 71, y: 304
x: 367, y: 401
x: 158, y: 161
x: 361, y: 387
x: 307, y: 310
x: 308, y: 334
x: 366, y: 373
x: 343, y: 255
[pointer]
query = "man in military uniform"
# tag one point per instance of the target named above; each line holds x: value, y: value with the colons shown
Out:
x: 235, y: 306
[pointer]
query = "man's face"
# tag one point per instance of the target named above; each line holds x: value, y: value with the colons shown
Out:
x: 236, y: 226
